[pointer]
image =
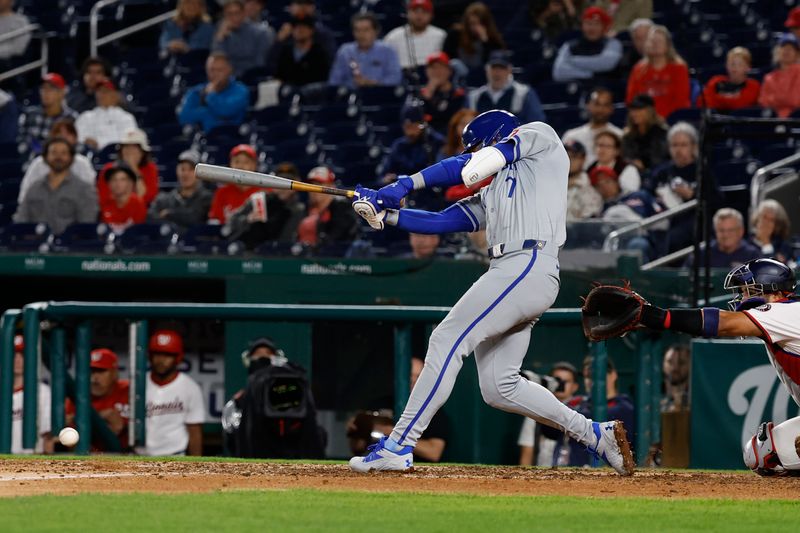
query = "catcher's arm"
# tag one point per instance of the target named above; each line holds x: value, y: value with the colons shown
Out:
x: 706, y: 322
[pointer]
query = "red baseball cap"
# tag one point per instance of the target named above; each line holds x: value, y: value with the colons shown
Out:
x: 244, y: 149
x: 105, y: 84
x: 597, y: 13
x: 440, y: 57
x: 166, y: 341
x: 322, y: 175
x: 427, y: 5
x: 594, y: 174
x: 793, y: 18
x: 56, y: 80
x: 103, y: 358
x: 19, y: 343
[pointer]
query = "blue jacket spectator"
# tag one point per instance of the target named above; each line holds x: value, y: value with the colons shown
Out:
x: 221, y: 101
x: 502, y: 92
x: 246, y: 44
x: 592, y: 54
x: 365, y: 61
x: 189, y: 29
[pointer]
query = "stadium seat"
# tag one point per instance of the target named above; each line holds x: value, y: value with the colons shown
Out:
x: 24, y: 237
x: 209, y: 239
x: 87, y: 238
x: 147, y: 238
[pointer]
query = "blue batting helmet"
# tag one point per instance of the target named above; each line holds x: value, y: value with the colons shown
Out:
x: 488, y: 128
x: 758, y: 277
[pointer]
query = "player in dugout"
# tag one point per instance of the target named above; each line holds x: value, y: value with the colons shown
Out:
x: 765, y: 306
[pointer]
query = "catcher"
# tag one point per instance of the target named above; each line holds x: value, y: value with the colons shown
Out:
x: 765, y: 306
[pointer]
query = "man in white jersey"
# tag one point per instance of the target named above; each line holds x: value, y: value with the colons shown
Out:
x: 45, y: 442
x: 175, y: 410
x: 523, y: 211
x: 765, y: 306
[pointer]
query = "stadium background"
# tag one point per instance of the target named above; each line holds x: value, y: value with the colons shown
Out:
x: 703, y: 32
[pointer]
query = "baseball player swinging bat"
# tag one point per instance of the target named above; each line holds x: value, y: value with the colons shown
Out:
x: 245, y: 177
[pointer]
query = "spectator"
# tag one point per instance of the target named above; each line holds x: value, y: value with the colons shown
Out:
x: 365, y: 61
x: 502, y: 92
x: 417, y: 147
x: 187, y: 204
x: 638, y: 30
x: 770, y: 228
x: 617, y: 204
x: 274, y: 415
x: 329, y: 220
x: 625, y: 13
x: 44, y: 442
x: 440, y: 97
x: 93, y: 71
x: 661, y: 74
x: 81, y: 167
x: 134, y: 151
x: 644, y: 142
x: 244, y: 44
x: 735, y: 90
x: 322, y: 34
x: 255, y: 12
x: 676, y: 365
x: 419, y: 38
x: 231, y: 197
x: 9, y: 117
x: 530, y: 440
x: 608, y: 147
x: 675, y: 181
x: 599, y: 107
x: 792, y: 22
x: 107, y: 122
x: 583, y: 201
x: 554, y: 17
x: 221, y: 101
x: 40, y: 119
x: 302, y: 60
x: 365, y: 427
x: 593, y: 54
x: 423, y: 246
x: 472, y: 40
x: 109, y: 396
x: 175, y: 410
x: 781, y: 89
x: 729, y: 249
x: 123, y: 207
x: 190, y: 29
x: 453, y: 145
x: 10, y: 21
x: 61, y: 198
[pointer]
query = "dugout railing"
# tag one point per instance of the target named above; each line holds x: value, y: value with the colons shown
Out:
x: 62, y: 318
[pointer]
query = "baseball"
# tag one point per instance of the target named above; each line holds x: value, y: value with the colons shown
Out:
x: 68, y: 437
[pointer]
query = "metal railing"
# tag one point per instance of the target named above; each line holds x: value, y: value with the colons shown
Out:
x: 759, y: 179
x: 612, y: 240
x: 95, y: 41
x: 669, y: 258
x: 81, y: 313
x: 44, y: 51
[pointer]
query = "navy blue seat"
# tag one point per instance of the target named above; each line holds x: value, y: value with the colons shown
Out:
x: 564, y: 118
x: 147, y: 238
x: 735, y: 175
x: 7, y: 210
x: 88, y: 238
x: 294, y: 149
x: 687, y: 114
x: 269, y: 115
x: 381, y: 95
x: 277, y: 249
x: 209, y: 239
x: 555, y: 92
x: 25, y: 237
x: 330, y: 115
x: 775, y: 152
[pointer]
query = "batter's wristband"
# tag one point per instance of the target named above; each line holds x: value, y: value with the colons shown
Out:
x: 710, y: 322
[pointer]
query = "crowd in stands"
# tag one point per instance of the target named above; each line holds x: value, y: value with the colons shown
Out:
x: 363, y: 93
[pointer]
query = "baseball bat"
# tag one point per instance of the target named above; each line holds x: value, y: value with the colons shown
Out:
x: 257, y: 179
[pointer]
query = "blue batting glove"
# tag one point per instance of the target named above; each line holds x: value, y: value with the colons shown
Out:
x: 364, y: 194
x: 390, y: 196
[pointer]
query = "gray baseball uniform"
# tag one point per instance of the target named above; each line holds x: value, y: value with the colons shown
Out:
x: 527, y: 201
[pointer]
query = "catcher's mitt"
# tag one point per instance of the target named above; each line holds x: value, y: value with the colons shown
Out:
x: 611, y: 311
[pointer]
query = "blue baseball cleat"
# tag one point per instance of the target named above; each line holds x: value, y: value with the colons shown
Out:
x: 381, y: 458
x: 611, y: 445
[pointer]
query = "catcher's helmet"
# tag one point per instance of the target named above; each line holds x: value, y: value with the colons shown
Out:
x: 488, y: 128
x: 167, y: 341
x: 758, y: 277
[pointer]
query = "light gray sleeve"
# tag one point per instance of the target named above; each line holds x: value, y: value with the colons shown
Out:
x: 23, y: 213
x: 36, y: 171
x: 533, y: 139
x: 88, y: 206
x: 473, y: 208
x: 82, y: 169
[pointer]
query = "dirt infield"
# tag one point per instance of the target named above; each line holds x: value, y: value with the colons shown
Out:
x: 20, y: 477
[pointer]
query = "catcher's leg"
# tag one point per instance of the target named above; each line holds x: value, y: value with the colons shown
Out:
x: 775, y: 450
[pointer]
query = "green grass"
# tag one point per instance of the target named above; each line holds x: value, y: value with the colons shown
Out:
x: 311, y: 510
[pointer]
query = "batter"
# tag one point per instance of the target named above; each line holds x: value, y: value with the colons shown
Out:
x: 523, y: 211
